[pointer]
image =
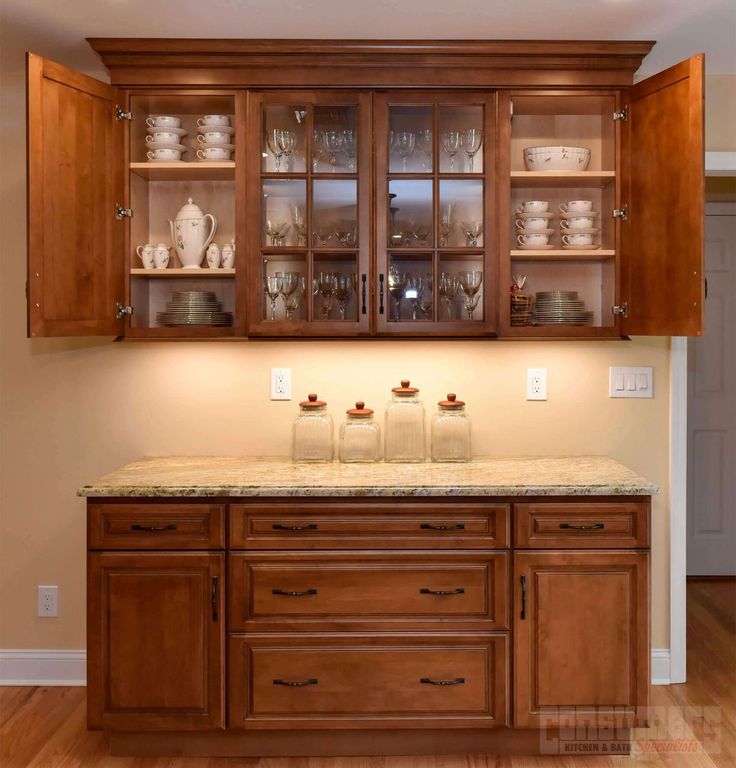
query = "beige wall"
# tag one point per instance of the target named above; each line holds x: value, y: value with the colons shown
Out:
x: 72, y: 410
x: 720, y: 113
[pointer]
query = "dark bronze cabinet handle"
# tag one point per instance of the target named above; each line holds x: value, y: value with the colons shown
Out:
x: 309, y: 527
x: 297, y: 683
x: 522, y: 615
x: 455, y: 527
x: 215, y: 614
x: 380, y: 294
x: 456, y: 681
x: 442, y: 592
x: 151, y: 528
x: 293, y: 594
x: 363, y: 279
x: 594, y: 527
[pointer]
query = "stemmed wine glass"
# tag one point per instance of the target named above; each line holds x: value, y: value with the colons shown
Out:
x: 447, y: 222
x: 287, y: 143
x: 413, y: 287
x: 473, y: 230
x: 318, y: 144
x: 274, y: 145
x: 424, y: 144
x: 272, y: 285
x: 343, y: 292
x: 404, y: 143
x: 448, y: 289
x: 326, y: 286
x: 451, y: 141
x: 421, y: 233
x: 426, y: 297
x: 299, y: 222
x: 471, y: 141
x: 289, y: 284
x: 350, y: 148
x: 293, y: 297
x: 345, y: 232
x: 396, y: 284
x: 276, y: 230
x: 470, y: 281
x: 334, y: 142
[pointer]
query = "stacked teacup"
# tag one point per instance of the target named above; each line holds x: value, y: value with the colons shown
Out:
x: 532, y: 225
x: 215, y: 137
x: 164, y: 138
x: 577, y: 219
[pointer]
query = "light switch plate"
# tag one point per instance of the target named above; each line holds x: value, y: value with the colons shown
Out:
x: 630, y: 382
x: 280, y: 383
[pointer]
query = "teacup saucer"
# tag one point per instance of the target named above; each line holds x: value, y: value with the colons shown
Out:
x: 587, y: 231
x: 149, y: 160
x: 545, y: 215
x: 580, y: 247
x: 535, y: 231
x: 547, y: 247
x: 160, y: 129
x: 202, y: 145
x: 229, y: 130
x: 165, y: 145
x: 581, y: 214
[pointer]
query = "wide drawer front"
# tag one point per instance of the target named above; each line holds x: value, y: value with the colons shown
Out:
x: 619, y: 525
x: 366, y: 525
x: 156, y: 526
x: 352, y: 681
x: 357, y: 590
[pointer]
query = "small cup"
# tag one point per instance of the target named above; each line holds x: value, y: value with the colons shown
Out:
x: 533, y: 206
x: 161, y: 256
x: 576, y: 206
x: 213, y: 256
x: 533, y: 240
x: 577, y: 222
x: 531, y: 225
x: 213, y: 120
x: 164, y: 137
x: 228, y: 255
x: 578, y: 239
x: 213, y: 137
x: 213, y: 153
x: 145, y: 254
x: 164, y: 154
x: 163, y: 121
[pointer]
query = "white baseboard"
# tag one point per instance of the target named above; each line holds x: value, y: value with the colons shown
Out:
x: 661, y: 666
x: 43, y: 667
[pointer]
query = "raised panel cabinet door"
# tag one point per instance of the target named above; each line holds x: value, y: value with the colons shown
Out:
x: 662, y: 278
x: 581, y: 642
x: 155, y: 640
x: 75, y: 179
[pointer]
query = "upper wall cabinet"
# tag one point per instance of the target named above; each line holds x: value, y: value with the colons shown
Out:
x: 499, y: 189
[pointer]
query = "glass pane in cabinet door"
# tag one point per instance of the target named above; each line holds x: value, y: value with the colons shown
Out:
x: 336, y: 287
x: 284, y: 213
x: 410, y: 146
x: 285, y: 292
x: 461, y: 283
x: 461, y: 139
x: 335, y: 213
x: 284, y: 145
x: 411, y: 214
x: 461, y: 213
x: 335, y: 140
x: 410, y: 287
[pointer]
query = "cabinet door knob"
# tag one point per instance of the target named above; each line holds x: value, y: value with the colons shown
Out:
x: 593, y: 527
x: 150, y: 528
x: 429, y: 681
x: 297, y: 683
x: 286, y: 593
x: 430, y: 527
x: 442, y: 592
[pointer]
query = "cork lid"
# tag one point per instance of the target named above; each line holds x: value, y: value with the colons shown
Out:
x: 359, y: 410
x: 451, y: 402
x: 405, y: 389
x: 312, y: 402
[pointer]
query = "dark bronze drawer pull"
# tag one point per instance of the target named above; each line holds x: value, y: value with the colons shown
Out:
x: 522, y: 615
x: 151, y: 528
x: 380, y: 294
x: 308, y: 527
x: 430, y: 527
x: 456, y: 681
x: 294, y: 594
x: 594, y: 527
x: 215, y: 613
x: 441, y: 592
x: 297, y: 683
x: 363, y: 309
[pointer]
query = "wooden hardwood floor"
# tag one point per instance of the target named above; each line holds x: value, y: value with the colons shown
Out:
x: 693, y: 725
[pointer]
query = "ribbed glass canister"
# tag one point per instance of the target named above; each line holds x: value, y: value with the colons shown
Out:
x: 312, y: 432
x: 360, y: 436
x: 451, y: 431
x: 405, y: 439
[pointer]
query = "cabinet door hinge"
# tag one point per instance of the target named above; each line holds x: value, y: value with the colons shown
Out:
x: 121, y: 311
x: 121, y: 114
x: 621, y: 309
x: 621, y: 213
x: 622, y: 114
x: 123, y: 213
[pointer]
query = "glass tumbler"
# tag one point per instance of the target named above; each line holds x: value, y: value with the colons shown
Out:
x: 405, y: 425
x: 360, y: 436
x: 451, y: 431
x: 312, y: 432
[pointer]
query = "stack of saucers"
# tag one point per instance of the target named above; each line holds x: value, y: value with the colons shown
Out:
x: 194, y: 308
x: 560, y: 308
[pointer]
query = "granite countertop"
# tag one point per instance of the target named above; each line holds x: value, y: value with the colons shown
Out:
x: 209, y: 476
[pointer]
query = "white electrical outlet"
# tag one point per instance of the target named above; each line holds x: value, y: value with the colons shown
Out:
x: 536, y: 383
x: 48, y: 601
x: 280, y: 383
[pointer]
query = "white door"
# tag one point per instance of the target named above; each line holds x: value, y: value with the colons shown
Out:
x: 711, y: 481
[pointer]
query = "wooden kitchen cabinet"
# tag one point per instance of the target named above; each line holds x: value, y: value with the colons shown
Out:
x: 379, y: 213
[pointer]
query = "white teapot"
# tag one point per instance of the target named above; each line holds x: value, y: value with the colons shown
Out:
x: 188, y: 234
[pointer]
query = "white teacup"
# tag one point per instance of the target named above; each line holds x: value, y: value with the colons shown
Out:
x: 145, y: 254
x: 164, y: 154
x: 577, y: 222
x: 164, y: 137
x: 163, y: 121
x: 533, y: 206
x: 161, y: 256
x: 214, y: 137
x: 228, y: 255
x: 213, y: 256
x: 579, y: 239
x: 213, y: 153
x: 531, y: 224
x: 576, y: 206
x: 213, y: 120
x: 533, y: 239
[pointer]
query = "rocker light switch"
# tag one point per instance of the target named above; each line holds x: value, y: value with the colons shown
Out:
x: 630, y: 382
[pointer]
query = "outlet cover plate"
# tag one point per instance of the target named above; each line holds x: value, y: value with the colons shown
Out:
x: 48, y: 601
x: 280, y: 383
x: 629, y: 381
x: 536, y: 383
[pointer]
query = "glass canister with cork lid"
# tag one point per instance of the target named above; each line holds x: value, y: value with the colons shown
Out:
x: 404, y: 440
x: 451, y: 431
x: 312, y: 432
x: 360, y: 436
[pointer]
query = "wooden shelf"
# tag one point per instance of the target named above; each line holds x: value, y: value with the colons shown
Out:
x: 598, y: 254
x: 194, y: 171
x: 562, y: 178
x: 196, y: 274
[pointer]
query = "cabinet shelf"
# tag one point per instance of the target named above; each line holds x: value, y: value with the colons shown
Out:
x: 562, y: 178
x: 195, y: 274
x: 183, y: 171
x: 562, y: 255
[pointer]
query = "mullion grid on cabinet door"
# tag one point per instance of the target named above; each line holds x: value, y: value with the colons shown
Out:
x: 308, y: 291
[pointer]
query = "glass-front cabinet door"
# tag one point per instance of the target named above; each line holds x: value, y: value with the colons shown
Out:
x: 435, y: 255
x: 308, y: 203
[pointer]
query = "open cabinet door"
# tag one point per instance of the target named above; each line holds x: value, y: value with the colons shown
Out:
x: 75, y: 178
x: 662, y: 280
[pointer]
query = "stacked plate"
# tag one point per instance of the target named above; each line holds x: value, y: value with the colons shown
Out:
x: 560, y: 308
x: 194, y: 308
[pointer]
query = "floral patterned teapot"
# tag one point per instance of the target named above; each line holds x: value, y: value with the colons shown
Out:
x: 188, y: 234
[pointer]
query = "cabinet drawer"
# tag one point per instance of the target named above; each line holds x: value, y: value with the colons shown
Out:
x: 616, y: 525
x: 156, y: 526
x: 368, y: 681
x: 397, y: 525
x: 354, y: 590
